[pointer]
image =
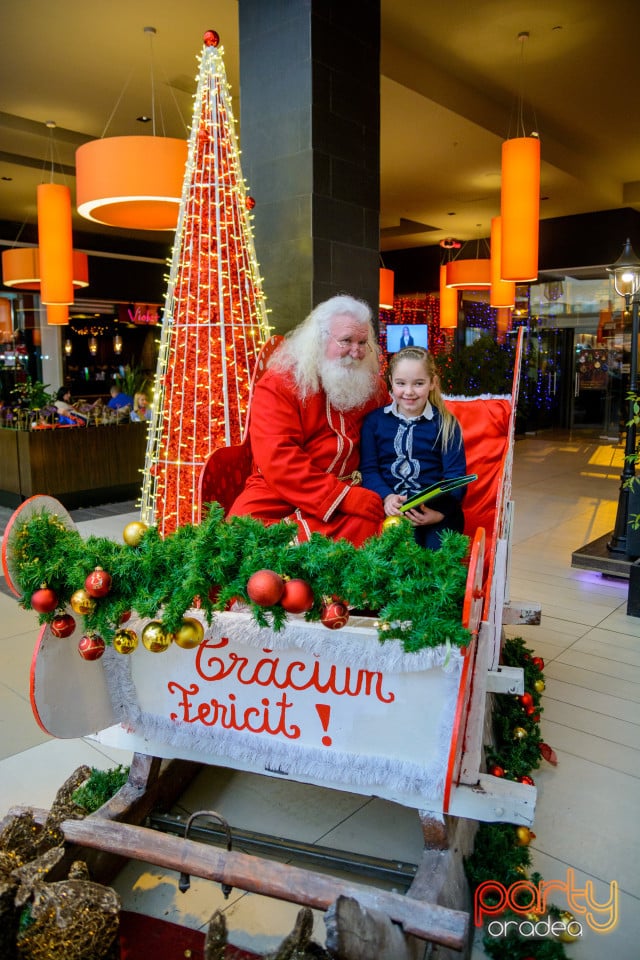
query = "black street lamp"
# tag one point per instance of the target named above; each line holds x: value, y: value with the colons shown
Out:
x: 626, y: 279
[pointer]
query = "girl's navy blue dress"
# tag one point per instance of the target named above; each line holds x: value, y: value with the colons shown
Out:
x: 404, y: 455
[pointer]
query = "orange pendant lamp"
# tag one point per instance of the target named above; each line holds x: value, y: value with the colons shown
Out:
x: 448, y: 302
x: 57, y: 314
x: 520, y: 208
x: 55, y: 243
x: 469, y: 274
x: 131, y: 182
x: 386, y: 289
x: 503, y: 292
x: 6, y: 324
x: 21, y: 268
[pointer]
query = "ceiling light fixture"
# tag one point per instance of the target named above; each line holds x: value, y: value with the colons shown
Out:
x: 132, y: 182
x: 21, y: 268
x: 520, y: 196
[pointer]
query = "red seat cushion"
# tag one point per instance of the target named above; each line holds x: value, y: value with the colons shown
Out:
x: 485, y: 428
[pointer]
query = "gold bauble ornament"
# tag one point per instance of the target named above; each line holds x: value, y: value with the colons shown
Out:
x: 189, y: 634
x: 155, y: 638
x: 134, y: 532
x: 538, y: 685
x: 524, y: 836
x: 125, y: 641
x: 568, y: 919
x: 520, y: 733
x: 389, y: 522
x: 82, y: 603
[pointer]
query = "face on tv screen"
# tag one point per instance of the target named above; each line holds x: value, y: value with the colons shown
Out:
x: 401, y: 335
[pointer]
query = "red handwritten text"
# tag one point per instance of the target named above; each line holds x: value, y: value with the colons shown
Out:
x: 271, y: 718
x: 270, y: 671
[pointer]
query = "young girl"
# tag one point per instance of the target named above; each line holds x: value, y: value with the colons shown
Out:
x: 414, y: 442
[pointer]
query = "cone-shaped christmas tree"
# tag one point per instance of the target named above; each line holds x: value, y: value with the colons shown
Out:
x: 214, y: 318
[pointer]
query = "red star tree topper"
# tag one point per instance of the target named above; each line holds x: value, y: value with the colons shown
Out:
x: 214, y: 317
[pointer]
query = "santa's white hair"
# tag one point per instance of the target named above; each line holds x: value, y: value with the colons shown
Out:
x: 348, y: 382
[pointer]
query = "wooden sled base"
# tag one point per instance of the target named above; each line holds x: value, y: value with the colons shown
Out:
x: 424, y: 920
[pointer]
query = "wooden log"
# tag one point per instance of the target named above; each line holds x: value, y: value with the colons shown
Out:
x: 268, y: 878
x: 354, y: 933
x: 521, y: 613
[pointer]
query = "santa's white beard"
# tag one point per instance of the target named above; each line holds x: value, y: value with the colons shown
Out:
x: 348, y: 383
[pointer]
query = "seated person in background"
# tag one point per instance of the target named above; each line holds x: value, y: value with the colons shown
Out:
x: 306, y: 414
x: 413, y: 442
x: 67, y: 413
x: 119, y: 400
x: 141, y: 409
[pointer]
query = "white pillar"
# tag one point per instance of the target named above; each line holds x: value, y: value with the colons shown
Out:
x: 52, y: 338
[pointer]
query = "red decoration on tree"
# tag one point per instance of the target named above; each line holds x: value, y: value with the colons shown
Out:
x: 526, y: 700
x: 265, y: 587
x: 539, y: 663
x: 496, y: 771
x: 250, y: 203
x: 63, y: 626
x: 44, y: 600
x: 335, y: 615
x: 297, y: 596
x: 91, y: 646
x: 526, y: 779
x: 214, y: 321
x: 98, y: 583
x: 548, y: 753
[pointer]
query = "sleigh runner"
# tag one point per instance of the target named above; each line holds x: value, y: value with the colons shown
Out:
x: 319, y: 707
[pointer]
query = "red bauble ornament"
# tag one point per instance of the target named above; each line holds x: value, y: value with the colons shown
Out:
x: 538, y: 662
x: 211, y: 38
x: 265, y: 587
x: 496, y: 771
x: 44, y: 600
x: 297, y: 596
x: 526, y: 700
x: 548, y: 753
x: 91, y: 646
x: 124, y: 616
x: 526, y: 779
x: 250, y: 203
x: 63, y: 626
x: 98, y: 583
x: 335, y: 615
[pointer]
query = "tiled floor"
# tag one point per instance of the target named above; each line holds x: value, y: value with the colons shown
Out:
x: 565, y: 492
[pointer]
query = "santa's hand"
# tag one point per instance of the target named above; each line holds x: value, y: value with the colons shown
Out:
x: 363, y: 503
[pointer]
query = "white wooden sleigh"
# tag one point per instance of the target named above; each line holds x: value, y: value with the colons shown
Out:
x: 330, y: 708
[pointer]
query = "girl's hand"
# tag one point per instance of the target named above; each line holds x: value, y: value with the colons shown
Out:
x: 392, y: 504
x: 423, y: 516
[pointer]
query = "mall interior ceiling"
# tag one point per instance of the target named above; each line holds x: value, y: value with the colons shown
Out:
x: 454, y: 77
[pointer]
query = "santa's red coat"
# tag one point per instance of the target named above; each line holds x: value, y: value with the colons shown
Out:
x: 304, y: 455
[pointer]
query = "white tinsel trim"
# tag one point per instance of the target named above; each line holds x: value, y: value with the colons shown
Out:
x: 482, y: 396
x: 356, y: 645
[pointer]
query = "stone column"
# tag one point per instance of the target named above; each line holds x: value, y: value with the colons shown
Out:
x: 310, y: 139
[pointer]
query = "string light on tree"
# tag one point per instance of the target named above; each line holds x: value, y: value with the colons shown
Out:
x: 215, y: 317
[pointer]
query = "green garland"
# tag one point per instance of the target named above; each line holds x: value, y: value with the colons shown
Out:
x: 100, y: 787
x: 499, y: 854
x: 417, y: 594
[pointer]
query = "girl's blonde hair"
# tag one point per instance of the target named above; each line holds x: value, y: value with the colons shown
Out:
x: 448, y: 421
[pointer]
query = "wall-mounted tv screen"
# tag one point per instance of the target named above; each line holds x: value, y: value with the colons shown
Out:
x: 401, y: 335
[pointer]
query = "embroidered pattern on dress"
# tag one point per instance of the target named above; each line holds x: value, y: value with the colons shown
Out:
x: 405, y: 468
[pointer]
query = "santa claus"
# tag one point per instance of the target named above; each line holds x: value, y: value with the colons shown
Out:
x: 306, y: 414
